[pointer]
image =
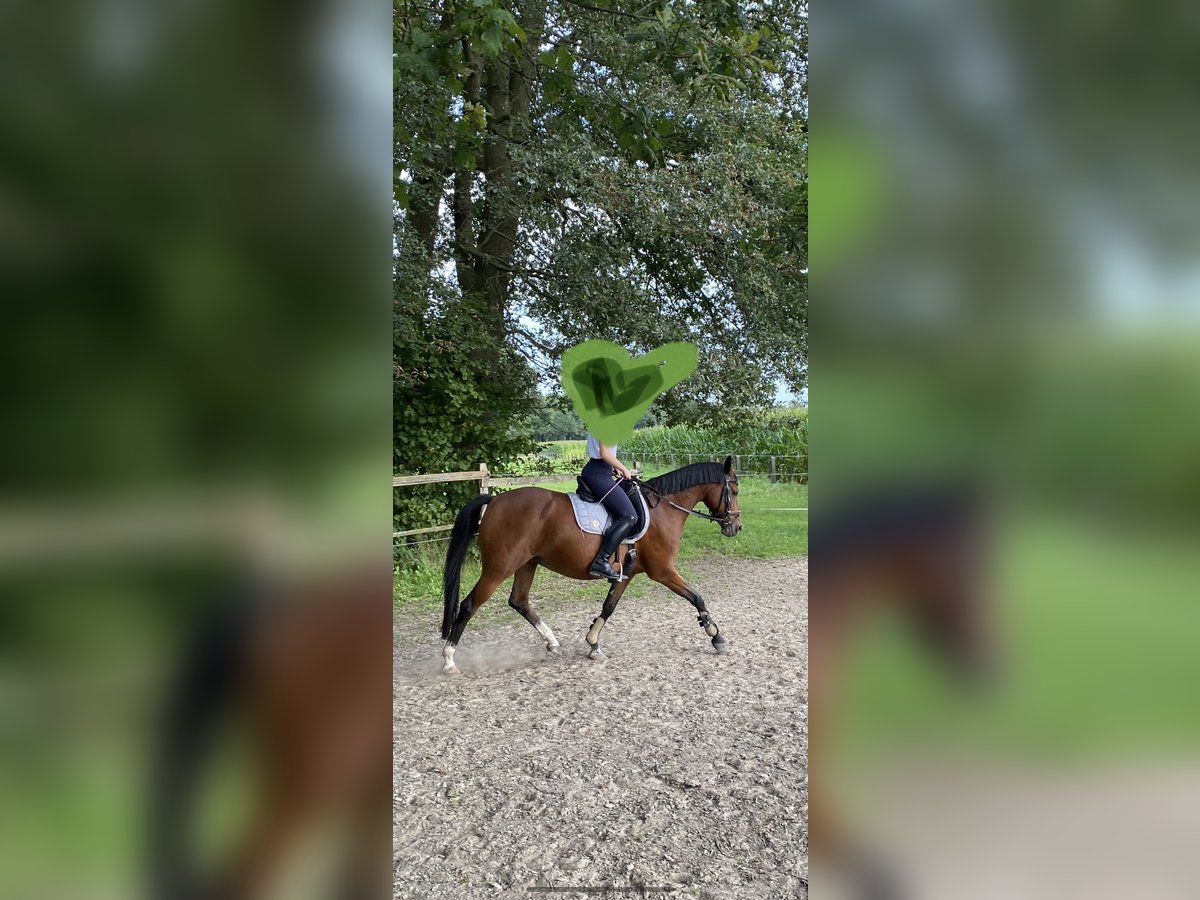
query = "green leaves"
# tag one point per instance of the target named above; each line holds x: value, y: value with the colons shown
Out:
x: 642, y: 133
x: 853, y: 180
x: 489, y: 27
x: 432, y: 53
x: 657, y: 182
x: 455, y: 392
x: 419, y: 57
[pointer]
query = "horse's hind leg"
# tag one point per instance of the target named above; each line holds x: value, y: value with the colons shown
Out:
x: 519, y: 600
x: 610, y: 607
x: 479, y: 595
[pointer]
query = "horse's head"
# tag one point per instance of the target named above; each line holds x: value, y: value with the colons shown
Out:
x: 949, y: 606
x: 722, y: 501
x: 922, y: 548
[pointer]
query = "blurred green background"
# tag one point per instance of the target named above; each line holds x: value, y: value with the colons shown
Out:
x: 1008, y: 295
x: 194, y: 245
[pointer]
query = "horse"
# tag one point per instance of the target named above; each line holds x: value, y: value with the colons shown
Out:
x: 921, y: 548
x: 299, y: 673
x: 532, y: 526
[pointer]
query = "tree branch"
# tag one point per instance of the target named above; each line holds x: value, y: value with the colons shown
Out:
x: 553, y: 352
x: 615, y: 12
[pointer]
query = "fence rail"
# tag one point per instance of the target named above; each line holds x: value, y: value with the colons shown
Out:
x: 439, y: 477
x: 481, y: 475
x: 506, y: 480
x: 411, y: 531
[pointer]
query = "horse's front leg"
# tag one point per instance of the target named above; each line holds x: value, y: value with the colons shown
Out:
x: 673, y: 580
x: 610, y: 606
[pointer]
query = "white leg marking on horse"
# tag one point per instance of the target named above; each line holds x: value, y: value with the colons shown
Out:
x: 448, y: 654
x: 593, y: 635
x: 593, y: 639
x: 544, y: 631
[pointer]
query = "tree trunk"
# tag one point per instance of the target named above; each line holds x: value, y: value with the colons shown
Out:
x: 465, y: 258
x: 424, y: 207
x: 508, y: 84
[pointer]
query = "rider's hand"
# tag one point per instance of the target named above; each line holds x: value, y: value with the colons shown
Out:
x: 622, y: 471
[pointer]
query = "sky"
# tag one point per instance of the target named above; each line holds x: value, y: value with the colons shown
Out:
x: 783, y: 395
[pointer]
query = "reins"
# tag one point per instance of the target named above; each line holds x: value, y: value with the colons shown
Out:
x: 610, y: 490
x: 726, y: 519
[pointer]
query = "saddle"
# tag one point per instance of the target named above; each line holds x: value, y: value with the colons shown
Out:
x: 592, y: 517
x: 585, y: 493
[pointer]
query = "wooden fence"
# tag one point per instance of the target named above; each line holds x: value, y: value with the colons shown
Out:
x: 483, y: 476
x: 487, y: 480
x: 438, y: 478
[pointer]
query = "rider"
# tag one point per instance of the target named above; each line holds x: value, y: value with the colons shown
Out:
x: 597, y: 474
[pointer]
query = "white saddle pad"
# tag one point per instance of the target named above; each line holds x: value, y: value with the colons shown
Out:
x: 594, y: 518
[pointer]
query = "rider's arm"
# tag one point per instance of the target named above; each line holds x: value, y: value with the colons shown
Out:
x: 611, y: 458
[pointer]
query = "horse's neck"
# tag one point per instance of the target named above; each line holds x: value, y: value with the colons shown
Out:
x: 689, y: 497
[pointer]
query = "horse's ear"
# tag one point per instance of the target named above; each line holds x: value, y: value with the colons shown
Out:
x: 729, y: 465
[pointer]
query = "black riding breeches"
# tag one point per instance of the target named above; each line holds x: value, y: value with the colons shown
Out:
x: 598, y: 476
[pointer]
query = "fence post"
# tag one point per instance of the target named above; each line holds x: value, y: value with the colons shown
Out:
x: 773, y: 476
x: 483, y: 478
x: 737, y: 463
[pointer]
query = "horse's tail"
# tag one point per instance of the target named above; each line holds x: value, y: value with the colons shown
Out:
x: 206, y: 685
x: 464, y: 529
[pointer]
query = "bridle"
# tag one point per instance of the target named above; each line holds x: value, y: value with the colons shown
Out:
x: 724, y: 520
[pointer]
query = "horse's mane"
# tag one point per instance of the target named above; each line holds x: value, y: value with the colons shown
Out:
x: 877, y: 518
x: 688, y: 477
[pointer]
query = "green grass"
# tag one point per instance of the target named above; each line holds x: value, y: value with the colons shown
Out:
x: 766, y: 532
x: 774, y: 523
x: 568, y: 448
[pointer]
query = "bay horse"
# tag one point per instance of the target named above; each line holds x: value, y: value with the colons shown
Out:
x: 298, y: 672
x: 532, y: 526
x: 922, y: 549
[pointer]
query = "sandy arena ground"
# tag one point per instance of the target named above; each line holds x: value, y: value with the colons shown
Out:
x: 665, y: 771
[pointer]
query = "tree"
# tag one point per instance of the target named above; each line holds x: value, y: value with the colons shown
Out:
x: 548, y: 421
x: 637, y: 172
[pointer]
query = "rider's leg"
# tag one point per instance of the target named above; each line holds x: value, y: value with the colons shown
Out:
x: 598, y: 476
x: 618, y: 530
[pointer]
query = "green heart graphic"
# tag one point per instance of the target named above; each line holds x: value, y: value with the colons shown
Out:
x: 611, y: 390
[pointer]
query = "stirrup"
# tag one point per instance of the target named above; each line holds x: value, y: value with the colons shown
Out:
x: 630, y: 556
x: 625, y: 566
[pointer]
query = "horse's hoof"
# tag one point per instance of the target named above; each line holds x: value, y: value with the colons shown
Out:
x: 451, y: 670
x: 721, y: 648
x: 554, y: 648
x: 597, y: 655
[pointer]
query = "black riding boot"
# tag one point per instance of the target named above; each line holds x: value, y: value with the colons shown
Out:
x: 617, y: 532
